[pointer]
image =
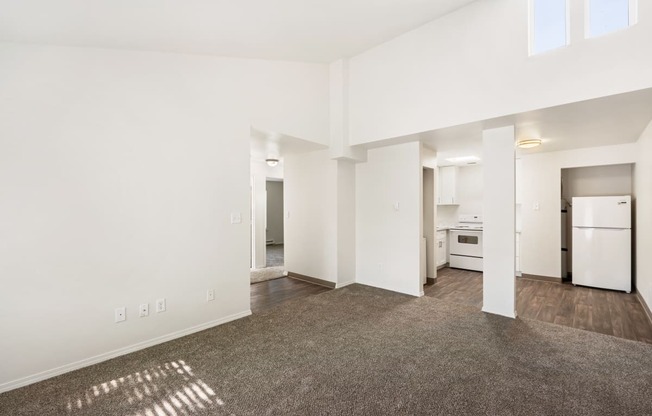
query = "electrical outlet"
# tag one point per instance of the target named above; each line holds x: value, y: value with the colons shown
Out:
x: 143, y: 310
x: 120, y: 314
x: 160, y: 305
x: 210, y: 295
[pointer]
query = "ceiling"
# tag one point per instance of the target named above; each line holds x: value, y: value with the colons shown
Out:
x: 298, y: 30
x: 612, y: 120
x: 265, y: 144
x: 312, y: 31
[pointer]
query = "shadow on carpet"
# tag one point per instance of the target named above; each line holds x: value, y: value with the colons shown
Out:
x: 361, y: 351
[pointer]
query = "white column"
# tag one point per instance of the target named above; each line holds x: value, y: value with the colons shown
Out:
x: 339, y: 113
x: 345, y: 222
x: 499, y: 284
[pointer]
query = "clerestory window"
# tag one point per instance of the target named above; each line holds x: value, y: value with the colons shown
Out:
x: 548, y: 25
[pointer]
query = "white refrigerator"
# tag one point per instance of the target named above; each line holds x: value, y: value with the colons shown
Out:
x: 602, y: 242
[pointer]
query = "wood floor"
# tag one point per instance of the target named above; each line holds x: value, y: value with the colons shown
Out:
x: 604, y: 311
x: 265, y: 295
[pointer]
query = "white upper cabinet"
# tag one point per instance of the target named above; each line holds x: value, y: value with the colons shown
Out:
x: 447, y: 189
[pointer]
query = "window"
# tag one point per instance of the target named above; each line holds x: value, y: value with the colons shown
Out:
x: 606, y: 16
x: 548, y: 25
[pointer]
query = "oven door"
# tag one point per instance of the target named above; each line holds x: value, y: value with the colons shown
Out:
x: 466, y: 243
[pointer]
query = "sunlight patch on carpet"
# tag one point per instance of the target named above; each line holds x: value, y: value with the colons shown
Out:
x: 169, y: 389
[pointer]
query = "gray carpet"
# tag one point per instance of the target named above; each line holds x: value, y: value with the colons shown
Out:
x: 361, y: 351
x: 275, y: 255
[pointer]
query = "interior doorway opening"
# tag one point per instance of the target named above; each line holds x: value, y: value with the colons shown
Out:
x: 588, y: 181
x: 274, y: 225
x: 267, y: 226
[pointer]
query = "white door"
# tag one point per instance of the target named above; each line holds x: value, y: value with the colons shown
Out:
x: 602, y: 258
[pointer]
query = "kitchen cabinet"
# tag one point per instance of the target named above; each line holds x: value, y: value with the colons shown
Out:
x: 447, y: 189
x: 442, y: 248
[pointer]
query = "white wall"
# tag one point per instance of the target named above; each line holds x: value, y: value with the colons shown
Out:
x: 470, y: 189
x: 429, y: 216
x: 643, y: 232
x: 119, y: 173
x: 320, y: 233
x: 311, y: 203
x: 541, y: 184
x: 429, y: 178
x: 597, y: 181
x: 275, y: 211
x: 473, y: 64
x: 339, y: 113
x: 388, y: 239
x: 447, y: 215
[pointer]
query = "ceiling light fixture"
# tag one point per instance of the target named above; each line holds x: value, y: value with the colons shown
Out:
x: 528, y: 143
x: 272, y: 162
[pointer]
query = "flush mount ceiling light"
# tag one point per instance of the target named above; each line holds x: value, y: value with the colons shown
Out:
x: 528, y: 143
x: 464, y: 159
x: 272, y: 162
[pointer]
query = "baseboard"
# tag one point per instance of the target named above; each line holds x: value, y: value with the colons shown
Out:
x: 542, y: 278
x: 21, y: 382
x: 310, y: 279
x: 645, y: 306
x: 431, y: 280
x: 416, y: 294
x: 340, y: 285
x: 511, y: 315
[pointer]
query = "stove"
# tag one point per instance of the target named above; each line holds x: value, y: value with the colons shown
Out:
x: 468, y: 222
x: 466, y: 243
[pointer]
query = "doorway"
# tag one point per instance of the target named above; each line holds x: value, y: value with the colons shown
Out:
x: 589, y: 181
x: 267, y: 227
x: 428, y: 242
x: 274, y: 223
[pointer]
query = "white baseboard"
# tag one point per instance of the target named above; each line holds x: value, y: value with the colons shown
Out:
x: 21, y: 382
x: 339, y: 285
